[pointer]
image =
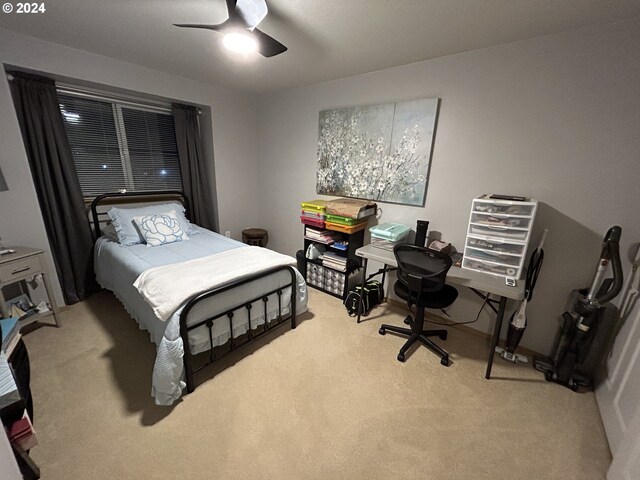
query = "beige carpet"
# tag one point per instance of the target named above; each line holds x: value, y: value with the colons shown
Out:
x: 328, y: 400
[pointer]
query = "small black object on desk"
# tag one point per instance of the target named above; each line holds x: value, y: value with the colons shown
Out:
x: 422, y: 226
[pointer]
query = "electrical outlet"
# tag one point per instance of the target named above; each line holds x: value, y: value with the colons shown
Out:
x: 227, y: 233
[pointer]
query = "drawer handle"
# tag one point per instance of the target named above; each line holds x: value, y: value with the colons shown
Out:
x: 20, y: 270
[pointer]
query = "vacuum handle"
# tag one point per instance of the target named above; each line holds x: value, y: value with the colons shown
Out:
x: 612, y: 248
x: 612, y: 237
x: 544, y: 236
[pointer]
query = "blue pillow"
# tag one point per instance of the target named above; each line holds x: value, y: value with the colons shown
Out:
x: 160, y: 229
x: 126, y: 229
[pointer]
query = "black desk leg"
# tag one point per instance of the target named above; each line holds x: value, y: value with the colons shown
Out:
x: 384, y: 274
x: 496, y: 335
x: 364, y: 279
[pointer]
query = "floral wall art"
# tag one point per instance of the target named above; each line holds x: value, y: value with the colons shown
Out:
x: 377, y: 152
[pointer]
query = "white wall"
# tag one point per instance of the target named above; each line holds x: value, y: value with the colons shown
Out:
x: 555, y: 118
x: 234, y: 126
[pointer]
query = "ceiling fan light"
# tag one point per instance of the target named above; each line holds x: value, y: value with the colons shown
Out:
x: 240, y: 42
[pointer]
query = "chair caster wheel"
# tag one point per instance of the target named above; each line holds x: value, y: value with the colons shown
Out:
x: 443, y: 336
x: 548, y: 375
x: 407, y: 321
x: 444, y: 361
x: 382, y: 331
x: 401, y: 357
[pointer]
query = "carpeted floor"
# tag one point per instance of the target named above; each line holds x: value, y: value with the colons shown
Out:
x: 328, y: 400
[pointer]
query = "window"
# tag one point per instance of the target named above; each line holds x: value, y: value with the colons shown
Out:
x: 116, y: 146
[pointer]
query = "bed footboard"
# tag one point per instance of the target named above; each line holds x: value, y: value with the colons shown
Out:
x: 252, y: 332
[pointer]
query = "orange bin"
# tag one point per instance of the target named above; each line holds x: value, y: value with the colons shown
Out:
x: 345, y: 228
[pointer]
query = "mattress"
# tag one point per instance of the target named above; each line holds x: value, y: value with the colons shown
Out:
x: 117, y: 267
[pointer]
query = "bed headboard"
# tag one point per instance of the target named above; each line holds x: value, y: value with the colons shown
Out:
x: 102, y: 203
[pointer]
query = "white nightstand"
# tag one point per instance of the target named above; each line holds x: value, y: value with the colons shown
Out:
x: 25, y: 264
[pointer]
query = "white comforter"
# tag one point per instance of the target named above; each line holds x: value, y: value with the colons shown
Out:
x: 118, y: 267
x: 167, y: 287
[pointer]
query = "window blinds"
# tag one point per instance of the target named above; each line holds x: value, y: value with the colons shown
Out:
x: 118, y: 147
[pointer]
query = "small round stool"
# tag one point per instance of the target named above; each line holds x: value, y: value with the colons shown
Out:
x: 255, y: 236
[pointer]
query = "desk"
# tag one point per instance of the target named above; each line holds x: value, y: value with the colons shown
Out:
x: 477, y: 281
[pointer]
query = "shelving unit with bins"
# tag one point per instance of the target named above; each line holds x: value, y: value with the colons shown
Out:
x: 331, y: 281
x: 498, y: 234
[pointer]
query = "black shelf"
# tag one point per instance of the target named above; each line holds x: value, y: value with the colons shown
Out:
x: 355, y: 240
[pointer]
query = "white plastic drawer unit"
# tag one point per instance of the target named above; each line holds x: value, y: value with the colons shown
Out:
x: 498, y: 231
x: 493, y: 257
x: 500, y: 220
x: 508, y: 207
x: 498, y: 234
x: 496, y: 245
x: 488, y: 267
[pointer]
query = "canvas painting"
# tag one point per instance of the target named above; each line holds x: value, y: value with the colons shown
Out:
x: 377, y: 152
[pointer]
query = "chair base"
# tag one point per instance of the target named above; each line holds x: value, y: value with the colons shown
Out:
x: 413, y: 336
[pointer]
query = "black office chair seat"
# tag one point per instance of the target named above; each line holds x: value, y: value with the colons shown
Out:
x: 421, y: 282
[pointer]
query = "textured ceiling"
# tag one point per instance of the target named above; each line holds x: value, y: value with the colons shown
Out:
x: 327, y: 39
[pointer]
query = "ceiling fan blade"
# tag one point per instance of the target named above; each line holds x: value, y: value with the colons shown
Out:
x: 250, y: 12
x: 268, y: 46
x: 231, y: 7
x: 217, y: 28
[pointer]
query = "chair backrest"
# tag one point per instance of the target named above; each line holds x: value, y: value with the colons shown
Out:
x: 421, y: 269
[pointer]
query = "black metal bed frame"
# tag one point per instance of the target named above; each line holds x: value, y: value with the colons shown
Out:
x: 129, y: 197
x: 185, y: 328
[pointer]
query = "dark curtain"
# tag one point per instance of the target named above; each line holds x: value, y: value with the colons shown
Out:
x: 196, y: 181
x: 56, y: 182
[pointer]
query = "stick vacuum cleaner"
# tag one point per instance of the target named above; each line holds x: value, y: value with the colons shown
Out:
x: 518, y: 322
x: 580, y: 324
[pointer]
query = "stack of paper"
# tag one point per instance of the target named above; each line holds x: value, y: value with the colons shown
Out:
x: 7, y: 382
x: 334, y: 261
x: 323, y: 236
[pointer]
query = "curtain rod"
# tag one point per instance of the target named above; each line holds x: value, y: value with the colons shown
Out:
x: 106, y: 95
x: 123, y: 99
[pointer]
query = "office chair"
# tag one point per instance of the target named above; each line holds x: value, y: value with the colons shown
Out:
x: 421, y: 282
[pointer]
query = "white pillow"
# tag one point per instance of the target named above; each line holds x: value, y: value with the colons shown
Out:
x: 109, y: 231
x: 160, y: 229
x: 128, y: 232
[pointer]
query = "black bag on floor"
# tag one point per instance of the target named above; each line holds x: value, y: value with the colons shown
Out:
x: 373, y: 295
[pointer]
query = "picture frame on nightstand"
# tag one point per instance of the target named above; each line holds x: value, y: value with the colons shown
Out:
x: 22, y: 301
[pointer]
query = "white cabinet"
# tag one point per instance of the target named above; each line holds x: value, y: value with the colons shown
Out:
x: 498, y: 234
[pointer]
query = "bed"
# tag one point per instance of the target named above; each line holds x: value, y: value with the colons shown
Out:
x: 217, y: 292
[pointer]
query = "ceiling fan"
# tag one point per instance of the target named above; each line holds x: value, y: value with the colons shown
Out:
x: 240, y: 30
